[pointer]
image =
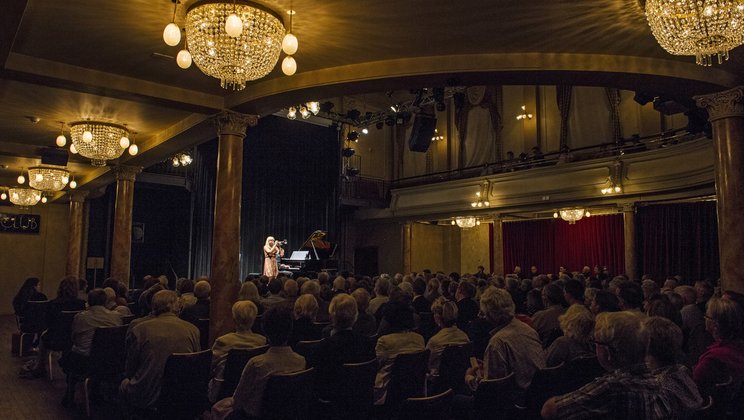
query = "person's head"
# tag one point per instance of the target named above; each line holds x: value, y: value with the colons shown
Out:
x: 290, y: 289
x: 704, y: 290
x: 497, y: 306
x: 664, y: 339
x: 277, y: 324
x: 248, y: 291
x: 97, y: 297
x: 382, y: 286
x: 649, y: 288
x: 244, y: 313
x: 661, y: 306
x: 577, y: 323
x: 110, y: 298
x: 552, y: 294
x: 670, y: 283
x: 339, y: 284
x: 269, y: 241
x: 185, y: 286
x: 68, y: 287
x: 445, y: 312
x: 533, y: 270
x: 148, y: 281
x: 163, y: 280
x: 398, y: 312
x: 275, y: 286
x: 618, y: 343
x: 589, y: 294
x: 605, y: 301
x: 724, y: 319
x: 465, y: 290
x: 419, y: 286
x: 164, y: 301
x: 202, y: 289
x: 30, y: 285
x: 342, y: 311
x: 306, y: 306
x: 573, y: 291
x: 361, y: 296
x: 310, y: 287
x: 517, y: 269
x: 630, y: 295
x: 534, y: 301
x: 688, y: 293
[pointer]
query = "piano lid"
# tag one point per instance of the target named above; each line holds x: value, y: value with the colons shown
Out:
x: 316, y: 241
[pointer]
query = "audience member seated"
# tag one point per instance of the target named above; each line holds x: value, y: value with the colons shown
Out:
x: 513, y: 347
x: 199, y: 310
x: 83, y: 327
x: 313, y: 287
x: 66, y: 300
x: 664, y: 358
x: 339, y: 286
x: 420, y: 302
x: 445, y: 317
x: 290, y: 291
x: 185, y: 290
x: 545, y: 322
x: 605, y: 301
x: 630, y: 297
x: 29, y: 292
x: 83, y: 290
x: 275, y: 294
x: 365, y: 323
x: 249, y: 291
x: 660, y: 305
x: 573, y: 292
x: 577, y: 325
x: 724, y: 320
x: 704, y: 291
x: 343, y: 346
x: 112, y: 305
x: 244, y: 314
x: 628, y: 390
x: 279, y: 358
x: 692, y: 316
x: 533, y: 301
x: 382, y: 288
x: 304, y: 327
x: 399, y: 339
x: 150, y: 286
x: 467, y: 307
x: 149, y: 344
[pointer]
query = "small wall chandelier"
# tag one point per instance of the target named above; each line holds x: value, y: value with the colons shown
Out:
x: 614, y: 183
x: 181, y: 159
x: 703, y: 29
x: 480, y: 200
x: 571, y: 215
x: 306, y: 110
x: 24, y: 197
x: 524, y: 115
x: 234, y: 42
x: 100, y: 141
x: 466, y: 222
x: 45, y: 178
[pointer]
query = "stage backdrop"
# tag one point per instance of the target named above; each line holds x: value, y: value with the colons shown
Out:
x: 549, y: 244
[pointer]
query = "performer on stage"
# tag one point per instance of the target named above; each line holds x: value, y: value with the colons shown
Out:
x: 271, y: 250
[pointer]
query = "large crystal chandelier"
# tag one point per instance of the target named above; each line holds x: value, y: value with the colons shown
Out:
x: 50, y: 179
x: 100, y: 141
x: 24, y: 197
x: 232, y: 50
x: 571, y: 215
x: 695, y: 27
x: 466, y: 222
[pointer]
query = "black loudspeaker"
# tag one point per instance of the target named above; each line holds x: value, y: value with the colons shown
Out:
x: 57, y: 157
x: 423, y: 131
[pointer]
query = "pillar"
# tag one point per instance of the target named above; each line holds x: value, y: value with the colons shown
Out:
x: 225, y: 273
x: 75, y: 237
x: 121, y: 244
x: 726, y: 114
x: 629, y: 239
x: 406, y: 233
x: 497, y: 245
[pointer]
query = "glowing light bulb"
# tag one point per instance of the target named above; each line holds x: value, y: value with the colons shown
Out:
x: 587, y: 214
x: 289, y: 65
x: 304, y: 113
x: 39, y: 177
x: 65, y: 179
x: 473, y: 204
x: 73, y: 149
x: 73, y: 184
x: 292, y: 113
x: 3, y: 196
x: 124, y: 142
x: 21, y: 179
x: 44, y: 199
x: 183, y: 59
x: 618, y: 189
x: 289, y: 44
x: 555, y: 215
x: 365, y: 130
x: 87, y: 136
x: 233, y: 25
x: 172, y: 34
x: 61, y: 140
x: 133, y: 149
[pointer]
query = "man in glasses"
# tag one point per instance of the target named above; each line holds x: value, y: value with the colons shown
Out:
x: 628, y: 390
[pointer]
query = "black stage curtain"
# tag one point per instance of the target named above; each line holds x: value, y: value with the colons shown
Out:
x: 202, y: 205
x: 678, y: 239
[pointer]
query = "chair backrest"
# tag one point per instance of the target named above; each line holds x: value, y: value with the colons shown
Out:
x: 355, y: 389
x: 407, y: 377
x: 579, y: 372
x: 306, y: 348
x: 453, y: 363
x: 183, y: 391
x: 234, y: 364
x: 494, y: 398
x: 60, y: 337
x: 34, y: 317
x: 288, y: 396
x: 108, y: 352
x: 203, y: 325
x: 546, y: 383
x: 706, y: 411
x: 436, y: 407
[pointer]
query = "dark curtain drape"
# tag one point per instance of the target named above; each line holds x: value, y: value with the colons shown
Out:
x: 678, y: 239
x: 290, y: 174
x: 202, y: 206
x: 549, y: 244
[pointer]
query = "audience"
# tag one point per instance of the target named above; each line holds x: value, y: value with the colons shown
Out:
x: 200, y: 309
x: 577, y: 325
x: 445, y: 317
x: 29, y: 292
x: 630, y: 297
x: 545, y: 322
x: 724, y: 320
x: 249, y: 291
x: 365, y: 324
x: 304, y: 327
x: 605, y: 301
x: 382, y: 289
x: 467, y: 307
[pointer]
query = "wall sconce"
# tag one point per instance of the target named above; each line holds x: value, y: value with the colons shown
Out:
x: 524, y: 115
x: 437, y: 137
x: 614, y: 183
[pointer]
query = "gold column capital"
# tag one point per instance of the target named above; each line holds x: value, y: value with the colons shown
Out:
x: 628, y: 207
x: 78, y: 196
x: 125, y: 172
x: 234, y: 123
x: 726, y: 104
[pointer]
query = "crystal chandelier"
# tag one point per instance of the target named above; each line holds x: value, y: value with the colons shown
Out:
x: 45, y: 178
x: 466, y: 222
x: 24, y: 197
x: 571, y: 215
x: 100, y: 141
x: 234, y: 41
x: 700, y: 28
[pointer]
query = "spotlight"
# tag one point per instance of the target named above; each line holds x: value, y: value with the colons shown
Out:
x: 353, y: 114
x: 365, y: 130
x: 348, y: 152
x: 352, y: 136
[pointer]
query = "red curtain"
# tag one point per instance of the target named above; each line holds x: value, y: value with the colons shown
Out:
x: 548, y: 244
x: 678, y: 239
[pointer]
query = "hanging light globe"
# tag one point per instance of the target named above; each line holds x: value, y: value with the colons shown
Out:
x: 172, y: 34
x: 290, y: 44
x: 289, y: 65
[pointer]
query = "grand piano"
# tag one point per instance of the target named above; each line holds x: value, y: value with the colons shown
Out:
x: 315, y: 255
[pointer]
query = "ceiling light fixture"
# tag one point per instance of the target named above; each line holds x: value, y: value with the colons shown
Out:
x: 571, y: 215
x: 306, y: 110
x: 73, y: 183
x: 172, y: 33
x: 44, y: 178
x: 61, y: 140
x: 703, y: 29
x: 181, y: 159
x: 466, y: 222
x: 24, y: 197
x: 21, y: 179
x: 234, y: 42
x: 99, y: 141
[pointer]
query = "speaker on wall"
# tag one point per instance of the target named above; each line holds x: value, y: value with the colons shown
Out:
x: 423, y: 131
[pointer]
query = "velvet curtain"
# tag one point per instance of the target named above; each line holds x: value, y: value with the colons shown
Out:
x: 549, y: 244
x: 202, y: 209
x: 678, y: 239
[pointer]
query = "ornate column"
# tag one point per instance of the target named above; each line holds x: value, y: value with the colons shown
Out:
x: 121, y: 244
x: 629, y: 236
x: 497, y: 245
x: 225, y: 274
x: 75, y: 237
x: 726, y: 114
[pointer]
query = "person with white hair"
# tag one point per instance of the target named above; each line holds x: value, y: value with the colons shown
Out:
x: 272, y: 249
